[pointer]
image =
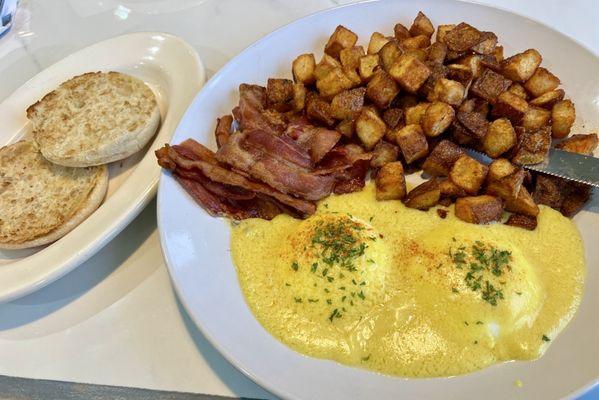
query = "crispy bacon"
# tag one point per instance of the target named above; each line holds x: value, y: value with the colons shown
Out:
x: 354, y: 178
x: 342, y: 158
x: 251, y: 110
x: 277, y: 147
x: 223, y: 130
x: 218, y: 189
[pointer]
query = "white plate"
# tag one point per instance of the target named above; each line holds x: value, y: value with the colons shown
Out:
x: 175, y: 73
x: 196, y: 246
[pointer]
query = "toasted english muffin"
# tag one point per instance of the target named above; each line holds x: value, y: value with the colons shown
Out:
x: 40, y: 201
x: 94, y: 119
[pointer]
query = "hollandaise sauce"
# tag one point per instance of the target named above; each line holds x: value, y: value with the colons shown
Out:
x: 404, y: 292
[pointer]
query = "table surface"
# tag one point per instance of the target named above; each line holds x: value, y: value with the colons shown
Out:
x: 115, y: 320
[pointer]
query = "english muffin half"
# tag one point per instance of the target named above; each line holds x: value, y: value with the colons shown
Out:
x: 94, y: 119
x: 40, y: 202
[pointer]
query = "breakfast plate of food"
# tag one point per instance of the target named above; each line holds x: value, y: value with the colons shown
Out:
x: 386, y: 200
x: 77, y: 161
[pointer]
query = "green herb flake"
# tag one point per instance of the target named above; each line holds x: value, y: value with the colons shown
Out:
x: 294, y: 266
x: 297, y: 299
x: 314, y: 267
x: 545, y: 338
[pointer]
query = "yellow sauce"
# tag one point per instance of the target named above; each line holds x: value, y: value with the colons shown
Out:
x: 404, y: 305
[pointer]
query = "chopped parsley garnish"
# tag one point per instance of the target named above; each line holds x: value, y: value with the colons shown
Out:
x: 297, y: 299
x: 479, y: 322
x: 455, y: 290
x: 334, y: 314
x: 361, y: 295
x: 545, y: 338
x: 294, y: 266
x: 312, y: 300
x: 366, y: 358
x: 314, y: 267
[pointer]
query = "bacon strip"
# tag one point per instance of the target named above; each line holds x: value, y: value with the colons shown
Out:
x: 342, y: 158
x: 250, y: 112
x: 218, y: 189
x: 278, y: 147
x: 223, y: 130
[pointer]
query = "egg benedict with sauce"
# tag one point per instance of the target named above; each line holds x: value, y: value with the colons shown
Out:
x: 403, y: 292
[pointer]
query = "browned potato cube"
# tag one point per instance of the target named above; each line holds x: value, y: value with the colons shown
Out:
x: 279, y: 94
x: 522, y: 66
x: 475, y: 105
x: 393, y: 117
x: 422, y: 26
x: 482, y: 209
x: 549, y: 190
x: 389, y: 53
x: 416, y: 42
x: 367, y: 66
x: 461, y: 136
x: 533, y: 147
x: 333, y: 83
x: 581, y: 144
x: 475, y: 124
x: 326, y: 65
x: 370, y: 128
x: 401, y: 32
x: 405, y: 100
x: 500, y: 168
x: 451, y: 190
x: 437, y: 52
x: 468, y: 173
x: 413, y: 115
x: 518, y: 90
x: 350, y: 57
x: 383, y: 153
x: 437, y: 118
x: 382, y: 89
x: 563, y: 115
x: 472, y: 61
x: 522, y: 221
x: 377, y: 41
x: 490, y: 85
x: 535, y: 118
x: 549, y: 99
x: 319, y: 111
x: 460, y: 73
x: 507, y: 187
x: 303, y: 69
x: 577, y: 194
x: 488, y: 44
x: 412, y: 142
x: 442, y: 30
x: 463, y: 37
x: 424, y: 196
x: 442, y: 158
x: 500, y: 138
x: 346, y: 127
x: 341, y: 39
x: 438, y: 71
x: 510, y: 106
x: 541, y: 82
x: 390, y: 182
x: 347, y: 104
x: 299, y: 96
x: 522, y: 204
x: 419, y: 54
x: 409, y: 72
x: 448, y: 91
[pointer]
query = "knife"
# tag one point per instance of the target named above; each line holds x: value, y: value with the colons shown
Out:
x: 564, y: 164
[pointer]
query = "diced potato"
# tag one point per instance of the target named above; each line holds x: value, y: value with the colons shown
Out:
x: 500, y: 168
x: 510, y: 106
x: 413, y: 115
x: 383, y: 153
x: 347, y: 104
x: 442, y: 30
x: 448, y: 91
x: 416, y: 42
x: 405, y: 101
x: 409, y: 72
x: 541, y: 82
x: 475, y: 124
x: 382, y: 89
x: 472, y: 61
x: 437, y: 52
x: 476, y: 105
x: 462, y: 37
x: 367, y: 66
x: 533, y: 147
x: 412, y: 142
x: 353, y: 76
x: 535, y: 118
x: 522, y: 221
x: 451, y: 190
x: 279, y: 94
x: 347, y: 127
x: 549, y: 190
x: 438, y: 71
x: 577, y: 194
x: 507, y: 187
x: 581, y: 144
x: 299, y: 97
x: 461, y: 136
x: 333, y: 83
x: 518, y: 90
x: 549, y: 99
x: 468, y: 174
x: 401, y: 32
x: 522, y: 66
x: 500, y: 138
x: 422, y: 26
x: 303, y: 69
x: 419, y: 54
x: 326, y: 65
x: 424, y: 196
x: 442, y: 158
x: 563, y: 115
x: 341, y: 39
x: 319, y: 111
x: 437, y: 118
x: 482, y: 209
x: 389, y: 53
x: 390, y: 182
x: 460, y: 73
x: 370, y: 128
x: 490, y: 85
x: 393, y: 117
x: 488, y: 44
x: 377, y: 41
x: 350, y: 57
x: 522, y: 204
